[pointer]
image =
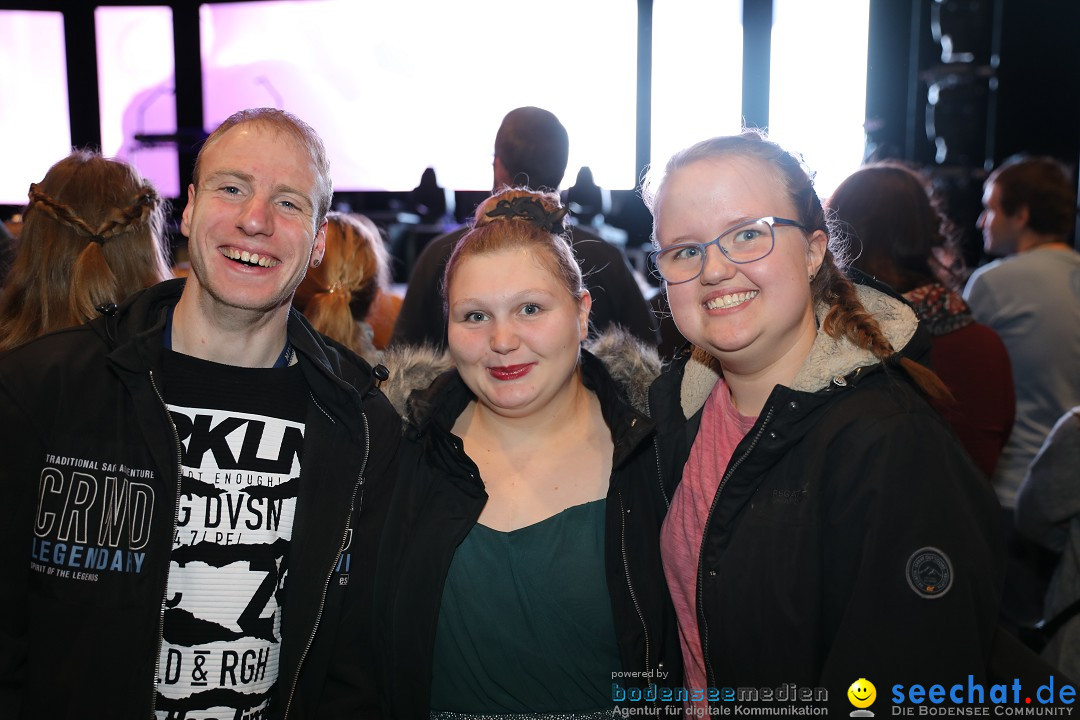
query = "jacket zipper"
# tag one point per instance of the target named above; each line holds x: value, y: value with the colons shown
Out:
x: 168, y: 567
x: 358, y: 488
x: 709, y: 674
x: 660, y: 475
x: 629, y: 582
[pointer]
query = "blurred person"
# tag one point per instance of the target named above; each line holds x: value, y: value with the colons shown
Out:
x: 93, y: 233
x: 887, y: 211
x: 825, y: 524
x: 1048, y: 512
x: 428, y: 198
x: 531, y: 148
x: 1031, y: 298
x: 7, y: 251
x: 192, y: 479
x: 338, y: 294
x: 520, y: 571
x: 387, y: 304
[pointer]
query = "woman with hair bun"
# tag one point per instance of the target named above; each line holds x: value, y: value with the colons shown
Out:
x: 825, y: 525
x: 92, y: 235
x: 520, y: 571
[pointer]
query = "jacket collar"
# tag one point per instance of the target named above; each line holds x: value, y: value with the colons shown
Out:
x: 133, y: 334
x: 829, y: 357
x: 424, y: 388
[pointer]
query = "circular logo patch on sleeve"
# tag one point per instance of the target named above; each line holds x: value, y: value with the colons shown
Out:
x: 929, y: 573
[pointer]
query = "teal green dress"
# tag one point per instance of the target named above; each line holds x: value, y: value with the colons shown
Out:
x: 525, y: 625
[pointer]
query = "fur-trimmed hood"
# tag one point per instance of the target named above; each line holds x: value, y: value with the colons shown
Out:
x: 829, y: 357
x: 630, y: 362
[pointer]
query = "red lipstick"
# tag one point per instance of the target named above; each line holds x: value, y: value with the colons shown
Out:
x: 510, y: 372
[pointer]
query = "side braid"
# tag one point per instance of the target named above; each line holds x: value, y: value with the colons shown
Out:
x: 93, y: 234
x: 61, y: 213
x: 118, y: 220
x: 848, y: 318
x: 134, y: 215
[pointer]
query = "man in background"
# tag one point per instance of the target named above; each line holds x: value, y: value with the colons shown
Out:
x: 1031, y: 298
x: 531, y: 148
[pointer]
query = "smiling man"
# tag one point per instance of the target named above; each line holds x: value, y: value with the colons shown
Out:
x: 197, y: 474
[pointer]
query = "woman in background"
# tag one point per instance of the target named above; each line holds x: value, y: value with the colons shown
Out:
x: 825, y: 525
x: 338, y: 295
x: 888, y: 209
x: 92, y: 234
x: 520, y: 571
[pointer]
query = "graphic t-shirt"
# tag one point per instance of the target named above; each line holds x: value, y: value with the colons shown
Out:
x: 241, y: 436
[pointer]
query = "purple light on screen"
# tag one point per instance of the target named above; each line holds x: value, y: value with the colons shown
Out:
x: 395, y: 87
x: 34, y: 128
x: 136, y: 78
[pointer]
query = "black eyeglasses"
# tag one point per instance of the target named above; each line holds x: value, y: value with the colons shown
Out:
x: 744, y: 243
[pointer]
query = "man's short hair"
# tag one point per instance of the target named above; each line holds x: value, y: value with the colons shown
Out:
x: 1042, y: 185
x: 292, y: 126
x: 533, y: 147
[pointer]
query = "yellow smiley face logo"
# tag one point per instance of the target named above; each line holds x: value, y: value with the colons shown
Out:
x: 862, y: 693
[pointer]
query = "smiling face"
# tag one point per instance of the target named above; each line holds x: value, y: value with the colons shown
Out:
x: 250, y: 223
x: 862, y: 693
x: 749, y: 316
x: 514, y: 330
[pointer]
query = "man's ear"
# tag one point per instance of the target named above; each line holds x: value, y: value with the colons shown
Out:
x: 500, y: 175
x: 1022, y: 216
x: 319, y: 249
x: 185, y: 218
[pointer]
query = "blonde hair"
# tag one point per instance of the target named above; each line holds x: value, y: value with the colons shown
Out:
x: 516, y: 218
x: 342, y: 288
x: 846, y: 317
x: 92, y: 235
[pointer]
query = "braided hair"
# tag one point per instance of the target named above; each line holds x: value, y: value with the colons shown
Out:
x: 846, y: 317
x: 92, y: 235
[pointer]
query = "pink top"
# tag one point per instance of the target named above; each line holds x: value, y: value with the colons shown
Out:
x: 722, y: 427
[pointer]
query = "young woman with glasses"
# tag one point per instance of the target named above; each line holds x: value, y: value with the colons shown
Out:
x: 825, y: 525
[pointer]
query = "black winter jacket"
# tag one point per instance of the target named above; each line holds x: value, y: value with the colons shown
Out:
x: 851, y: 536
x: 87, y: 438
x: 438, y: 498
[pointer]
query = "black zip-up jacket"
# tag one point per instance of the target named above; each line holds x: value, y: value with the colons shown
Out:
x: 851, y: 537
x: 437, y: 500
x: 91, y: 459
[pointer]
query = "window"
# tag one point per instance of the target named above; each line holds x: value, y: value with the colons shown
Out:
x: 393, y: 88
x: 35, y: 99
x: 817, y: 95
x: 696, y: 73
x: 136, y: 76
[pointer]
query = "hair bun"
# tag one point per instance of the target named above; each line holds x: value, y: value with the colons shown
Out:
x: 530, y: 209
